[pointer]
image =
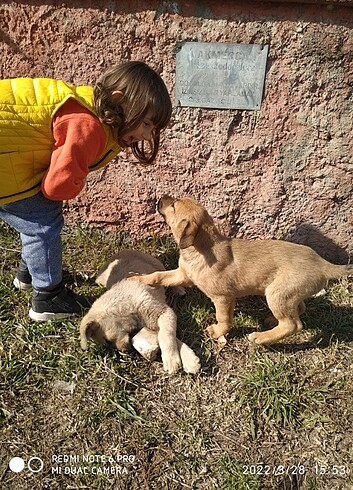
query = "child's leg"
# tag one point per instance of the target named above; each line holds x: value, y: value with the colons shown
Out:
x: 39, y: 222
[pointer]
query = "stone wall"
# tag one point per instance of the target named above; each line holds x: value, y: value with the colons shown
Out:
x: 284, y: 171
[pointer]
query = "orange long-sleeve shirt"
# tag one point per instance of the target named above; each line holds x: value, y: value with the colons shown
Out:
x: 79, y: 139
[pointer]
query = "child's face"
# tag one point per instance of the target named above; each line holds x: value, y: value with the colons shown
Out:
x: 143, y: 132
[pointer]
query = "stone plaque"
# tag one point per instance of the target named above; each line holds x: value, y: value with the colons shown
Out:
x: 220, y: 75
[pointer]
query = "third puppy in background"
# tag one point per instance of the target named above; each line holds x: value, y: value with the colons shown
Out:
x: 127, y: 307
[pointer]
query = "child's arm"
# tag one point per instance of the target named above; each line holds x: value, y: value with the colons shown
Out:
x: 79, y: 140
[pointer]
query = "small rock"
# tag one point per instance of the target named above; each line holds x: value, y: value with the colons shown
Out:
x: 64, y: 386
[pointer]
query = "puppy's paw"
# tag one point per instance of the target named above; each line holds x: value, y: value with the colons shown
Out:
x: 217, y: 332
x: 191, y: 363
x: 258, y: 338
x: 211, y: 331
x: 171, y: 363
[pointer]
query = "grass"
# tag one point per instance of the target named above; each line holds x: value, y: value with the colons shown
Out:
x: 254, y: 418
x: 271, y: 394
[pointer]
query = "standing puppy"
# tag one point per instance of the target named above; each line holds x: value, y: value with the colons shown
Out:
x: 226, y: 269
x: 128, y: 306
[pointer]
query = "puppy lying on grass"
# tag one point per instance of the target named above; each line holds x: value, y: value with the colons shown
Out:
x: 225, y: 269
x: 127, y: 307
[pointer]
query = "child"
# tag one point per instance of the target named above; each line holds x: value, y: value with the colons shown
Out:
x: 52, y: 135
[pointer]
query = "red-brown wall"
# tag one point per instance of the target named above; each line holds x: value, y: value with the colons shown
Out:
x: 284, y: 171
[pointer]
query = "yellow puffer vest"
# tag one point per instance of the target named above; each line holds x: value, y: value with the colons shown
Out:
x: 27, y: 107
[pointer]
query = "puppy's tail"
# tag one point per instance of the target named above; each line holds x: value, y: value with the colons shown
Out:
x: 338, y: 271
x: 86, y: 327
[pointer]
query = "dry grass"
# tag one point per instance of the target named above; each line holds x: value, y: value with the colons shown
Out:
x: 254, y: 418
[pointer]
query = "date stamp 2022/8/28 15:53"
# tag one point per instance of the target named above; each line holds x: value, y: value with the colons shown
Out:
x: 317, y: 468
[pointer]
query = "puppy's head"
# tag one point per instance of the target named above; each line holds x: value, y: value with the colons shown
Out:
x: 103, y: 331
x: 185, y: 217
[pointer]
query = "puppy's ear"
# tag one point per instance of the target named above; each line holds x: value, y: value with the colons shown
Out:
x: 187, y: 231
x: 87, y: 329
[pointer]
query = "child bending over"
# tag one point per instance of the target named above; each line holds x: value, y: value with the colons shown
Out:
x: 52, y: 134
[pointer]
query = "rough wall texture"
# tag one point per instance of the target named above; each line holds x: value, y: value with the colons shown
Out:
x: 283, y: 171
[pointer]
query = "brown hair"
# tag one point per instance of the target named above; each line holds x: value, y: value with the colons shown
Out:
x: 143, y: 91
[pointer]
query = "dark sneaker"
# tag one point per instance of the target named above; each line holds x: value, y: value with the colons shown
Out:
x: 57, y: 304
x: 23, y: 279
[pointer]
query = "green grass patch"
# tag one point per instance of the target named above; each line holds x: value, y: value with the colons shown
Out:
x: 271, y: 395
x: 250, y: 408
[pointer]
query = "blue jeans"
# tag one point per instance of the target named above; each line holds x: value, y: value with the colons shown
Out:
x: 39, y: 222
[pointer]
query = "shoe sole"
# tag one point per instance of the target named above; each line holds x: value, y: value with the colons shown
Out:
x: 22, y: 286
x: 48, y: 316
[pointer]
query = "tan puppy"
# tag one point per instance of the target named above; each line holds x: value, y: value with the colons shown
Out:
x: 226, y: 269
x: 127, y: 307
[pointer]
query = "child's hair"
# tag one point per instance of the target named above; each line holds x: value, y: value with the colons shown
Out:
x: 143, y: 91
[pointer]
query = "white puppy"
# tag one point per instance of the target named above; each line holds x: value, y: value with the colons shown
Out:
x: 128, y: 306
